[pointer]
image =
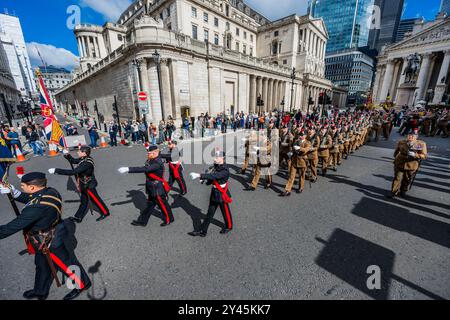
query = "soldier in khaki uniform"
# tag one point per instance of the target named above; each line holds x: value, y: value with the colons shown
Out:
x: 286, y: 140
x: 335, y: 149
x: 408, y: 155
x: 313, y: 155
x: 377, y: 122
x: 299, y: 164
x: 326, y: 142
x: 250, y: 140
x: 386, y: 126
x: 347, y: 135
x: 263, y: 164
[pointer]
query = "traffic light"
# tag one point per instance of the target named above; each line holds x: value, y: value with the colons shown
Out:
x: 329, y: 100
x: 258, y: 101
x: 310, y: 101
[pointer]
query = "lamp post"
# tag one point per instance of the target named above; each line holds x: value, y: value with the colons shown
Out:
x: 293, y: 78
x: 157, y: 59
x: 137, y: 64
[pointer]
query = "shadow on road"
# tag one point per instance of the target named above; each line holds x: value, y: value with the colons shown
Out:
x: 349, y: 257
x: 101, y: 287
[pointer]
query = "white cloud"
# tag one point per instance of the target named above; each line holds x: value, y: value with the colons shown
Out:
x: 110, y: 9
x: 58, y: 57
x: 280, y: 9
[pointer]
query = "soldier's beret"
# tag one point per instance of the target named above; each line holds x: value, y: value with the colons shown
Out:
x: 152, y: 148
x: 33, y: 176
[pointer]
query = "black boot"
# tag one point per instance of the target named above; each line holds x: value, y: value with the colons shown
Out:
x: 103, y: 217
x: 197, y: 234
x: 138, y: 224
x: 75, y: 219
x: 285, y: 194
x: 75, y: 293
x: 225, y: 231
x: 29, y: 295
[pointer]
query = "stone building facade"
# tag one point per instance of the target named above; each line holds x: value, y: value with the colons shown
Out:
x: 213, y: 56
x: 431, y: 42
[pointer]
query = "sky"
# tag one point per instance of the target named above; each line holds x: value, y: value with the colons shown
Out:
x: 46, y: 23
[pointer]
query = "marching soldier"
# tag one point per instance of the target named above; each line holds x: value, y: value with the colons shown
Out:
x: 44, y: 231
x: 408, y: 155
x: 87, y: 183
x: 313, y: 156
x: 157, y: 188
x: 176, y: 169
x: 377, y: 122
x: 220, y: 195
x: 299, y: 164
x: 347, y: 140
x: 326, y: 143
x: 386, y: 126
x: 250, y: 141
x: 286, y: 139
x: 335, y: 148
x: 264, y: 163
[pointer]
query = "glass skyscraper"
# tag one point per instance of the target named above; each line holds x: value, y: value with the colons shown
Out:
x: 347, y: 22
x: 445, y: 6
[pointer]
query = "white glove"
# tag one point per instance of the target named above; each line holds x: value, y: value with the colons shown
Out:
x: 312, y: 149
x: 244, y: 139
x: 297, y: 148
x: 253, y: 153
x: 290, y: 154
x: 412, y: 154
x: 195, y: 176
x: 124, y: 170
x: 5, y: 190
x: 256, y: 148
x: 65, y: 152
x: 51, y: 171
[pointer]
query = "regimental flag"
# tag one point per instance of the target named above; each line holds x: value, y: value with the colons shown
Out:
x: 52, y: 127
x: 6, y: 158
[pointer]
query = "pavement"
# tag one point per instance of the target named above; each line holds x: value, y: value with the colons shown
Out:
x: 322, y: 244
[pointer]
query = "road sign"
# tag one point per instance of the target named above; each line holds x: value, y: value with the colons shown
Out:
x: 142, y: 96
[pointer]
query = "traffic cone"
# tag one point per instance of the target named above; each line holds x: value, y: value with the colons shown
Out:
x: 52, y: 150
x: 20, y: 157
x: 103, y: 143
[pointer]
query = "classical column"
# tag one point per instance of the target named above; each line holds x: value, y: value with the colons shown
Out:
x: 442, y: 79
x: 423, y: 75
x: 393, y: 87
x: 143, y: 68
x: 259, y: 91
x: 387, y: 81
x: 83, y: 43
x: 269, y: 94
x: 252, y: 99
x: 276, y: 94
x: 264, y: 93
x: 166, y: 88
x: 80, y: 47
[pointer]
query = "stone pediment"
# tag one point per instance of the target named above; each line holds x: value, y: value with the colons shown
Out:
x: 320, y: 24
x: 440, y: 32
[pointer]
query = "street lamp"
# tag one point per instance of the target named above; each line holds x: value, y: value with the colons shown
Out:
x: 157, y: 59
x: 137, y: 64
x: 293, y: 78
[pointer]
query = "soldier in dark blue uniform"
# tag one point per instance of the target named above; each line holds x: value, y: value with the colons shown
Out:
x: 86, y: 182
x: 44, y: 230
x: 157, y: 188
x: 173, y: 158
x: 220, y: 195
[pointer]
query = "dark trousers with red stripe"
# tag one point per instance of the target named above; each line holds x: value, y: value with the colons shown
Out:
x: 181, y: 182
x: 162, y: 204
x: 92, y: 195
x: 44, y: 279
x: 226, y: 212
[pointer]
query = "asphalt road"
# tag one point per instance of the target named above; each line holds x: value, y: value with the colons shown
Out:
x: 317, y: 245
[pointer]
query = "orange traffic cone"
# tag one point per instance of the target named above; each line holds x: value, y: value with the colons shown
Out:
x: 20, y: 157
x: 52, y: 150
x: 103, y: 143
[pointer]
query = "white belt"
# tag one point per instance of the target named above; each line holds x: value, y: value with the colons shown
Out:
x: 177, y: 162
x: 222, y: 186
